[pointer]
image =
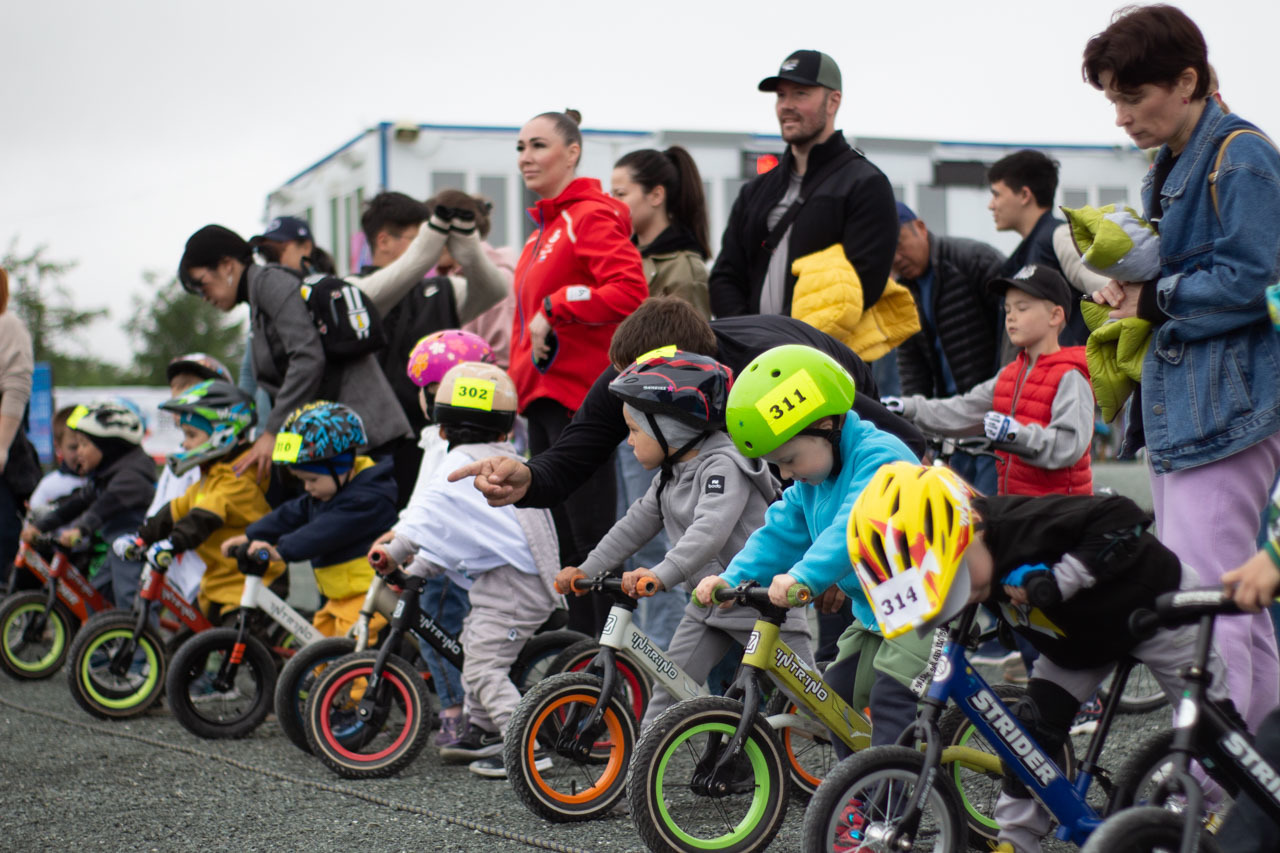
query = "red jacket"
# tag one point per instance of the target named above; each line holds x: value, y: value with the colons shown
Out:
x: 582, y: 260
x: 1028, y: 397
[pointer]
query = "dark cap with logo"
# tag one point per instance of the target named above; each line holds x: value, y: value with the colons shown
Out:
x: 806, y: 67
x: 284, y: 229
x: 1039, y: 281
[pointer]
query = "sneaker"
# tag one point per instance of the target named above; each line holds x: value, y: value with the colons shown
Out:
x: 451, y: 730
x: 474, y: 743
x: 1086, y: 719
x: 201, y: 691
x: 493, y: 767
x: 849, y: 835
x: 1015, y: 672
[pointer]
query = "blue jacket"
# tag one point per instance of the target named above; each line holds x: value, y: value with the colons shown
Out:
x: 1211, y: 380
x: 804, y: 533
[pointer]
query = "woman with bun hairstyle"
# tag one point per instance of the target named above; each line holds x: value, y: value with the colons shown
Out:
x: 578, y: 277
x: 663, y: 191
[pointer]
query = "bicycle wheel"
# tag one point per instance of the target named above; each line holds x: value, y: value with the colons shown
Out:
x: 109, y: 688
x: 810, y: 755
x: 381, y: 745
x: 1142, y: 693
x: 635, y: 679
x: 34, y: 644
x: 534, y: 661
x: 1144, y: 830
x: 572, y: 788
x: 674, y: 811
x: 860, y: 801
x: 296, y: 680
x: 195, y: 698
x: 1137, y: 781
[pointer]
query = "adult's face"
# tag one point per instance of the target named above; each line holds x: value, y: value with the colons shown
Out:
x: 1007, y: 205
x: 546, y: 163
x: 218, y: 284
x: 1152, y: 114
x: 643, y: 205
x: 804, y: 112
x: 911, y: 260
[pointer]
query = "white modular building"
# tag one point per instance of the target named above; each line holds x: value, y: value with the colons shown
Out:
x: 943, y: 181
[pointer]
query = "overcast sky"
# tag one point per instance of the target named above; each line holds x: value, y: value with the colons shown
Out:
x: 125, y: 126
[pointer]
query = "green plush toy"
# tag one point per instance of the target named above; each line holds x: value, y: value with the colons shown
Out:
x: 1116, y: 242
x: 1114, y: 351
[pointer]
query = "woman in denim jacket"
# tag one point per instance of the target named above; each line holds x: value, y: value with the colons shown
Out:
x: 1209, y: 407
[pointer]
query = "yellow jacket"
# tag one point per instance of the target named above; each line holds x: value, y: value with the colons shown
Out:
x: 828, y: 296
x: 1115, y: 351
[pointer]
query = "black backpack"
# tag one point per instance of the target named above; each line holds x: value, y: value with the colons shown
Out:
x: 348, y: 324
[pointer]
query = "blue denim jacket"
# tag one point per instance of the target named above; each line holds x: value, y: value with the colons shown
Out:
x: 1211, y: 379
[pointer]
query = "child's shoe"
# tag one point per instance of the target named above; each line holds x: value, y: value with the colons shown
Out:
x: 849, y: 837
x: 451, y: 730
x: 474, y: 743
x: 494, y: 768
x: 1086, y: 719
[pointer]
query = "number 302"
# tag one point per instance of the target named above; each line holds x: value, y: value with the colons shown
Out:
x: 472, y: 391
x: 778, y: 411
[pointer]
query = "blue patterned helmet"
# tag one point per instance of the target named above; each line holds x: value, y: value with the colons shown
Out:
x: 318, y: 432
x: 220, y: 409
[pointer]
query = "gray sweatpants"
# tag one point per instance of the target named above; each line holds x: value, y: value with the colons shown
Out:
x: 704, y: 636
x: 507, y: 608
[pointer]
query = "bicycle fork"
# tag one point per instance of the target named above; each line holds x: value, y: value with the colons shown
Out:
x: 576, y: 740
x: 714, y: 774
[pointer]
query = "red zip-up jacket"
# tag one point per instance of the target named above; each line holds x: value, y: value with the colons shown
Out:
x: 580, y: 268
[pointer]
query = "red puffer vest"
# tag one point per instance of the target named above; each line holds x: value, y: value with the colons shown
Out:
x: 1028, y: 395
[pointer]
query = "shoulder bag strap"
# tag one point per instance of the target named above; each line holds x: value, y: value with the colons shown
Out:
x: 1217, y: 164
x: 772, y: 241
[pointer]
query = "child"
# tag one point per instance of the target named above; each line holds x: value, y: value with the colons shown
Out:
x: 63, y: 479
x: 215, y: 417
x: 106, y: 439
x: 1038, y: 410
x: 349, y: 498
x: 792, y: 406
x: 707, y: 496
x: 1103, y: 564
x: 507, y: 556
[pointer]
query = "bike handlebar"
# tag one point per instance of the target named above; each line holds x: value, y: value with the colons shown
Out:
x: 645, y: 587
x: 752, y: 594
x: 1182, y: 607
x: 243, y: 555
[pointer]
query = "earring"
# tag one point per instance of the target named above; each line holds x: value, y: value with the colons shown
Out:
x: 1186, y: 100
x: 228, y: 279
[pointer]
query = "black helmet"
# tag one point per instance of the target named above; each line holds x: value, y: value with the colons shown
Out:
x: 686, y: 386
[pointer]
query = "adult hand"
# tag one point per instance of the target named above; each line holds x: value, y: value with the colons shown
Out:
x: 706, y: 587
x: 539, y: 327
x: 778, y: 589
x: 830, y: 601
x: 565, y: 578
x: 232, y: 542
x: 1253, y: 585
x: 1122, y: 296
x: 893, y: 404
x: 630, y: 579
x: 501, y: 479
x: 259, y: 456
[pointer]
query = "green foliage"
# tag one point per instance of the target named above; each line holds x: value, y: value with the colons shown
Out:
x: 172, y: 322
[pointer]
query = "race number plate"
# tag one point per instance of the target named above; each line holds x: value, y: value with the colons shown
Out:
x: 790, y: 401
x: 900, y: 602
x: 473, y: 394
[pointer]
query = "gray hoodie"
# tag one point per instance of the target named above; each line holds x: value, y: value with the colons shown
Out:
x: 708, y: 509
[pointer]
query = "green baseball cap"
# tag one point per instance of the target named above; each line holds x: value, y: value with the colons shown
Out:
x: 806, y: 67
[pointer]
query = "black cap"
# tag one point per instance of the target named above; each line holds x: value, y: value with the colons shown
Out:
x: 1039, y: 281
x: 285, y: 229
x: 806, y: 67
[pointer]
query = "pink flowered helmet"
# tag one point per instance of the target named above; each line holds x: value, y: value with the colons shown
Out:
x: 432, y: 356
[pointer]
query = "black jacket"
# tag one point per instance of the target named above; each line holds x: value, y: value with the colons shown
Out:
x: 966, y: 317
x: 1108, y: 535
x: 115, y: 498
x: 598, y: 427
x: 1038, y: 249
x: 853, y: 207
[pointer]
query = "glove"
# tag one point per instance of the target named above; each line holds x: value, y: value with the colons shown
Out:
x: 127, y: 547
x: 1038, y: 581
x: 439, y: 220
x: 893, y: 404
x: 160, y: 554
x: 1000, y: 428
x: 464, y: 222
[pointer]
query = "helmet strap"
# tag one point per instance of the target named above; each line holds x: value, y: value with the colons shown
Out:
x: 669, y: 459
x: 832, y: 435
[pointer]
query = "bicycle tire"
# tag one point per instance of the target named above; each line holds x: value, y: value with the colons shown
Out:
x: 16, y: 655
x: 837, y: 800
x: 536, y: 725
x: 1142, y: 693
x: 534, y: 661
x: 634, y: 677
x: 1142, y: 768
x: 94, y: 687
x: 382, y: 747
x: 810, y: 755
x: 670, y: 815
x: 1147, y: 829
x: 297, y: 678
x: 220, y: 716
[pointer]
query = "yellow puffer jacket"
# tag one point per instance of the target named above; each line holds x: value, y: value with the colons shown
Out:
x: 828, y: 296
x: 1115, y: 350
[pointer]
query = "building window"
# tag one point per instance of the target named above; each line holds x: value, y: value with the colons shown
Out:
x: 1075, y: 198
x: 494, y: 189
x: 1112, y: 195
x: 448, y: 181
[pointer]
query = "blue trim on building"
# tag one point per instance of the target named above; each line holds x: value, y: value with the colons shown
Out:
x: 384, y: 168
x: 325, y: 159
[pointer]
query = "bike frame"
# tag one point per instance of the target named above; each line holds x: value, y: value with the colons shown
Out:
x: 63, y: 582
x: 154, y: 588
x: 257, y: 596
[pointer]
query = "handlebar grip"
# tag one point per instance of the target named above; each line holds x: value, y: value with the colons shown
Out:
x: 378, y: 560
x: 262, y: 555
x: 798, y: 595
x: 579, y: 583
x: 1042, y: 591
x: 164, y: 559
x: 1144, y: 623
x: 646, y: 587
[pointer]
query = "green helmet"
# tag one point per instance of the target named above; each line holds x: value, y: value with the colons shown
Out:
x: 780, y: 393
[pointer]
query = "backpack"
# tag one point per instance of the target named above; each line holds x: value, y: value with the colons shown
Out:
x: 348, y: 324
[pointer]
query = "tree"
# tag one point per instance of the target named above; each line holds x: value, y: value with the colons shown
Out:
x: 44, y: 303
x: 175, y: 322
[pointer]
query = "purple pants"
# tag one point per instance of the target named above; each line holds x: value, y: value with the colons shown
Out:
x: 1209, y: 516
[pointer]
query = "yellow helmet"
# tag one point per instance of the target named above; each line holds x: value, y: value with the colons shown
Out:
x: 908, y: 533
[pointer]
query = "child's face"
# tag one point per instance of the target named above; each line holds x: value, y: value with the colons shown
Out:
x: 805, y: 459
x: 85, y: 456
x: 193, y: 437
x: 648, y: 452
x: 65, y: 447
x: 322, y: 487
x: 1029, y: 319
x: 981, y: 569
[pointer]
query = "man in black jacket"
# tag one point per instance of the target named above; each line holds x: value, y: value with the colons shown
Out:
x: 844, y: 199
